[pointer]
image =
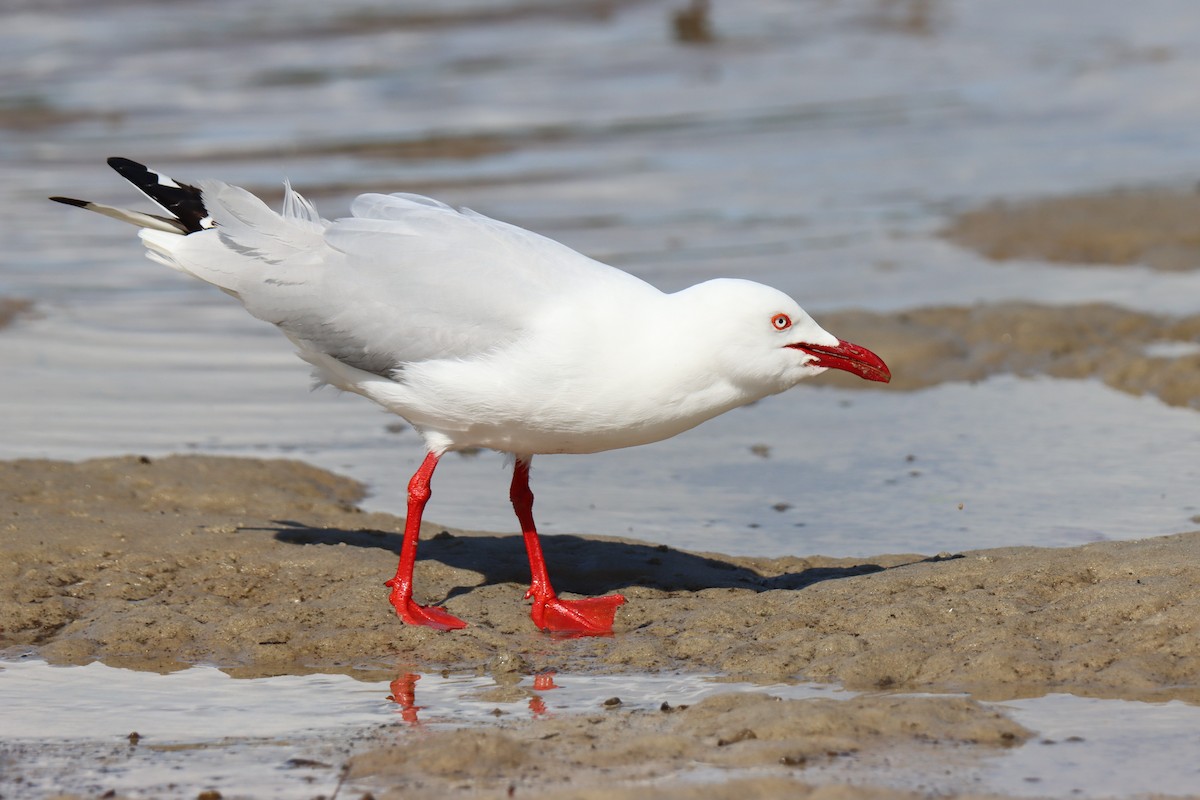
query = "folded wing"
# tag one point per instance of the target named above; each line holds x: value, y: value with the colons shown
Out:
x: 405, y: 279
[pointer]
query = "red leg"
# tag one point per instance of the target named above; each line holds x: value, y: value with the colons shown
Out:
x: 401, y: 596
x: 590, y: 616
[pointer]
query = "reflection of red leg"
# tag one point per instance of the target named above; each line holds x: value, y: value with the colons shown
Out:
x: 544, y: 681
x: 590, y: 616
x: 404, y: 694
x: 401, y: 596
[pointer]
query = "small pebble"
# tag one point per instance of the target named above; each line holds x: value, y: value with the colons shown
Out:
x: 741, y: 736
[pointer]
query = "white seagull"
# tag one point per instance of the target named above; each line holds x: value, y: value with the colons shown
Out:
x: 482, y: 334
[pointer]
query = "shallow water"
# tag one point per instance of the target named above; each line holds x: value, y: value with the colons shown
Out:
x: 815, y: 146
x: 816, y: 151
x: 200, y: 728
x: 288, y: 736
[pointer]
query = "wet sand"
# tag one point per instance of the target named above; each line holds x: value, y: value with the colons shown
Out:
x: 603, y: 754
x: 268, y: 567
x: 11, y: 308
x: 1154, y: 226
x: 928, y: 346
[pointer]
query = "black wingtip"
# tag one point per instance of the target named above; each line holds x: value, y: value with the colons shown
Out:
x: 181, y: 200
x: 123, y: 165
x: 71, y: 201
x: 136, y: 173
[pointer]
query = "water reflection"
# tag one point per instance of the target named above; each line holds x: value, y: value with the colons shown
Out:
x: 404, y: 695
x: 542, y: 682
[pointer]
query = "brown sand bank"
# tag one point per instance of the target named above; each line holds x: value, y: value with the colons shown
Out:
x: 928, y: 346
x: 268, y: 567
x: 606, y: 753
x: 11, y: 308
x: 1156, y: 227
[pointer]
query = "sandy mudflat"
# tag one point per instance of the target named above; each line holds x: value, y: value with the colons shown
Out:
x: 268, y: 567
x: 928, y: 346
x: 610, y: 749
x: 1154, y: 226
x: 11, y: 308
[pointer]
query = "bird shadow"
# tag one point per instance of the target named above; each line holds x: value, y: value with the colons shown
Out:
x: 581, y: 565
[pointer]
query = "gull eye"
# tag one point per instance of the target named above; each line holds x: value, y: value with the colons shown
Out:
x: 781, y: 322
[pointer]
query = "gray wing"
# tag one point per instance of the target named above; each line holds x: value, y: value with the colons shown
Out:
x: 404, y: 279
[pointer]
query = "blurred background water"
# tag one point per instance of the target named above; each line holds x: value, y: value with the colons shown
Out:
x: 817, y: 146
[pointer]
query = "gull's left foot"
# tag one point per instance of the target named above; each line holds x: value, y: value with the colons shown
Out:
x: 430, y: 616
x: 591, y: 616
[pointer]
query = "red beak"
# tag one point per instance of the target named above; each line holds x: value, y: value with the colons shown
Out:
x: 849, y: 357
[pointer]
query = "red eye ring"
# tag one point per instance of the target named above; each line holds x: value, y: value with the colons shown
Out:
x: 781, y: 322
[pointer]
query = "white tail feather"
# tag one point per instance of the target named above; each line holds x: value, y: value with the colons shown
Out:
x: 138, y: 218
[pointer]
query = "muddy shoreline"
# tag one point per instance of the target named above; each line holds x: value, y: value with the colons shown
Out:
x: 1154, y: 226
x: 11, y: 308
x: 269, y: 567
x: 930, y: 346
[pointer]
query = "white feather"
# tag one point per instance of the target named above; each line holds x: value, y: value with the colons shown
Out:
x: 138, y: 218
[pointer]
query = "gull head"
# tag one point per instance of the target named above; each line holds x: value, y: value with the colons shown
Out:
x: 762, y: 338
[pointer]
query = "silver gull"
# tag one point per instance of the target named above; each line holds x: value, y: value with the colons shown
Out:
x: 483, y: 334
